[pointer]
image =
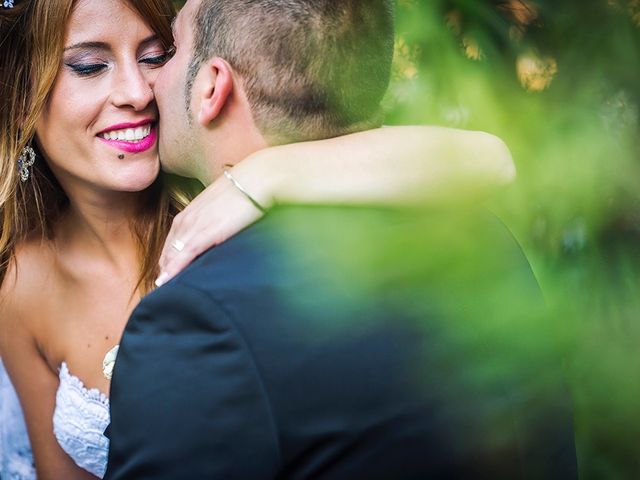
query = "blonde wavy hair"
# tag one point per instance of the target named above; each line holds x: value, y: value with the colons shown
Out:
x: 31, y: 47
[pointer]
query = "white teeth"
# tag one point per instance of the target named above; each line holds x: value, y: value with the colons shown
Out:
x: 128, y: 134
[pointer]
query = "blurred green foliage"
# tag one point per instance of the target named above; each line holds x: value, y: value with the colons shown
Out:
x: 558, y: 81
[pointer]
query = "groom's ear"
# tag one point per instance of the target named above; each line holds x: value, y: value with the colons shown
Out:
x: 217, y: 87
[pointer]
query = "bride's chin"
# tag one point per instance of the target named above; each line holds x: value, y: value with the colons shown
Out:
x: 142, y: 184
x: 138, y: 182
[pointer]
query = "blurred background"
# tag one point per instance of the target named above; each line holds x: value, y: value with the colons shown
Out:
x: 558, y: 81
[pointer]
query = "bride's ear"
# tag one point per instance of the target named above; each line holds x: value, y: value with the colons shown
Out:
x: 217, y: 85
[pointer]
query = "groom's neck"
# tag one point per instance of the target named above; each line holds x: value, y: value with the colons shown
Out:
x: 230, y: 151
x: 232, y: 137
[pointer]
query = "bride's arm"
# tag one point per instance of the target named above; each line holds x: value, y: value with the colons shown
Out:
x: 386, y: 166
x: 33, y: 380
x: 389, y: 166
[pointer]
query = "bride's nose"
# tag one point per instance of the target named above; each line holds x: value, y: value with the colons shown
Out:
x: 132, y: 89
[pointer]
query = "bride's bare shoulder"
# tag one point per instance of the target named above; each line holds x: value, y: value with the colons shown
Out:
x: 27, y: 277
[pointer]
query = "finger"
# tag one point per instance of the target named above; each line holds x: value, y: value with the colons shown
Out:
x: 168, y: 248
x: 178, y: 252
x: 200, y: 231
x: 182, y: 230
x: 190, y: 220
x: 174, y: 266
x: 202, y: 226
x: 177, y: 260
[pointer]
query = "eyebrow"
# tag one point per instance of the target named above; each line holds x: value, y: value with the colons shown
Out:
x: 106, y: 46
x: 88, y: 45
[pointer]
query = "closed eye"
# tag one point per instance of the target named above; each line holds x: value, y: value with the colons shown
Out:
x: 159, y: 60
x: 86, y: 69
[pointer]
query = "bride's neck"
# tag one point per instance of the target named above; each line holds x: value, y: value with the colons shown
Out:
x: 101, y: 227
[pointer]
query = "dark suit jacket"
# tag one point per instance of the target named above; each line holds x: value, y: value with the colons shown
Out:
x: 328, y: 343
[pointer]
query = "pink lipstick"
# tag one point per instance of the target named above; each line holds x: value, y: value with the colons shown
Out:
x: 131, y: 137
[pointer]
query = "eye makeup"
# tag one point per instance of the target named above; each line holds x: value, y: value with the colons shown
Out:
x: 86, y: 69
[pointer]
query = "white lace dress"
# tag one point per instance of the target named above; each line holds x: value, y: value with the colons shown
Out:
x: 80, y: 418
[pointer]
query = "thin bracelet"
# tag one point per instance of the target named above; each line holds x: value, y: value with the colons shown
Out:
x: 244, y: 192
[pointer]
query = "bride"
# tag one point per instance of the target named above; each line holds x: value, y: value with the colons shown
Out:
x: 84, y: 223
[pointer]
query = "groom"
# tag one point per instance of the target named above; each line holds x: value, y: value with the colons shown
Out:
x: 277, y: 354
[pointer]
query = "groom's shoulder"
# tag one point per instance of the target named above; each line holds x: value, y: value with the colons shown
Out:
x: 322, y: 244
x: 291, y: 237
x: 314, y: 234
x: 293, y: 251
x: 286, y: 255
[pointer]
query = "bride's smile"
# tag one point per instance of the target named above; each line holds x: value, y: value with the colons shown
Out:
x: 131, y: 137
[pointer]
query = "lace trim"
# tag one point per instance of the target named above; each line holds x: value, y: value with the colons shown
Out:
x: 89, y: 393
x: 80, y: 418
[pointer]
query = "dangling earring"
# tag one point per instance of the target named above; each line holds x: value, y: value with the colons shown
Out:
x: 26, y: 160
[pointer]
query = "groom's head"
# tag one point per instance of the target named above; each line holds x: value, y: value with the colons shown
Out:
x: 251, y: 73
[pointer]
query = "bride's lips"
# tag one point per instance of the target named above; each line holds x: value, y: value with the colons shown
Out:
x: 134, y: 145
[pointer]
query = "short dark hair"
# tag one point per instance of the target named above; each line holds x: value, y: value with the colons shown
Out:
x: 311, y: 68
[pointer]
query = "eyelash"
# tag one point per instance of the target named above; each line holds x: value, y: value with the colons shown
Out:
x: 88, y: 69
x: 85, y: 70
x: 159, y: 59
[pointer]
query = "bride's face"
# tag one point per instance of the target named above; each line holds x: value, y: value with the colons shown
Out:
x: 99, y: 127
